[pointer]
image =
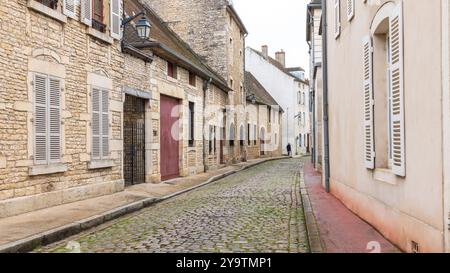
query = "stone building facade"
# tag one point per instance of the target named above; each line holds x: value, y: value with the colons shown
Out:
x: 177, y: 72
x: 221, y: 44
x: 84, y: 102
x: 286, y: 86
x: 52, y: 60
x: 264, y: 128
x: 314, y: 39
x: 388, y: 139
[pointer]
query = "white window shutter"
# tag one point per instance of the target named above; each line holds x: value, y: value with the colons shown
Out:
x: 96, y: 134
x: 116, y: 7
x: 397, y: 90
x: 54, y: 120
x: 69, y: 8
x: 86, y: 12
x: 337, y: 18
x: 105, y: 123
x: 40, y: 119
x: 350, y: 9
x: 369, y: 143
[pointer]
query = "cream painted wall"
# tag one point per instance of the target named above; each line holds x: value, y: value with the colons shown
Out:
x: 283, y: 89
x: 408, y: 209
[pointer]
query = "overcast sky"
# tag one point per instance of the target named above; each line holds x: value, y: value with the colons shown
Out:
x: 281, y: 24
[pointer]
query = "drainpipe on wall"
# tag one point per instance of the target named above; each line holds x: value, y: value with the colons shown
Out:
x: 445, y: 123
x: 245, y: 103
x: 206, y: 84
x: 325, y: 97
x: 312, y: 101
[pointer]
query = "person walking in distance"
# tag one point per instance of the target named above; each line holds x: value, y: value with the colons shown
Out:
x: 289, y: 149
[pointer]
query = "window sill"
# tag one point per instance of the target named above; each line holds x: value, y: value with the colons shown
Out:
x: 55, y: 14
x: 100, y: 164
x: 47, y: 169
x: 101, y: 36
x: 386, y: 176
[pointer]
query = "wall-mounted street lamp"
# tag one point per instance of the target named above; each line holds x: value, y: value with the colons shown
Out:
x: 252, y: 98
x: 143, y: 26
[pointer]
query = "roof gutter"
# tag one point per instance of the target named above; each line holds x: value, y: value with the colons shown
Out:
x: 137, y: 53
x: 325, y: 97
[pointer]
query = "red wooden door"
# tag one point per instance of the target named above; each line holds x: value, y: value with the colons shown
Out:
x: 170, y: 151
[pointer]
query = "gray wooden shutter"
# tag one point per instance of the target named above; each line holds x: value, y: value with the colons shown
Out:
x: 69, y: 8
x: 96, y: 123
x: 40, y: 119
x: 116, y: 6
x: 86, y: 12
x: 397, y: 91
x: 369, y: 145
x: 337, y: 18
x: 350, y: 9
x: 105, y: 123
x: 54, y: 129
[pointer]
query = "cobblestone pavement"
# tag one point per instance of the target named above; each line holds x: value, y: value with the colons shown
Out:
x: 256, y: 210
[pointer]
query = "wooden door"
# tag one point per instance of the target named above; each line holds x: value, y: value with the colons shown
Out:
x: 169, y: 138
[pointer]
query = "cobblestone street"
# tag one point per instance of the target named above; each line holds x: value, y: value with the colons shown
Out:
x: 256, y: 210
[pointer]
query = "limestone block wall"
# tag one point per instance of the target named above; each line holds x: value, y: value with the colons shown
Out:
x: 191, y: 158
x: 208, y: 27
x: 202, y: 24
x: 33, y: 42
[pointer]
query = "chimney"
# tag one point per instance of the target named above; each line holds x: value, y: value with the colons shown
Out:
x: 280, y: 56
x: 265, y: 51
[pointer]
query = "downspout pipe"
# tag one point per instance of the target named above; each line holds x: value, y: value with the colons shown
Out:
x: 312, y: 103
x: 325, y: 97
x: 206, y: 85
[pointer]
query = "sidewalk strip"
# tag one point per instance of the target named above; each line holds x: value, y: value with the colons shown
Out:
x: 63, y: 232
x: 315, y: 243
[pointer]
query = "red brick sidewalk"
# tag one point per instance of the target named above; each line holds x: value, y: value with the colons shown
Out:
x: 341, y: 231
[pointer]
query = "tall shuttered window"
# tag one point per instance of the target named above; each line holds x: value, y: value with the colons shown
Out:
x: 100, y: 123
x: 47, y: 119
x: 385, y: 100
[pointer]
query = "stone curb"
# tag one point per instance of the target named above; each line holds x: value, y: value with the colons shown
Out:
x: 315, y: 243
x: 63, y: 232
